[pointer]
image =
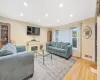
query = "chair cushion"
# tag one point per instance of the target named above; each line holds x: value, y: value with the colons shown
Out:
x: 9, y: 47
x: 5, y: 52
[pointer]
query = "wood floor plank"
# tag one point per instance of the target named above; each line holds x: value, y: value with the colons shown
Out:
x: 81, y: 70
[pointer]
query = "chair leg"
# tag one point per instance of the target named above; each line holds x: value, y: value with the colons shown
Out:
x: 51, y: 56
x: 30, y: 76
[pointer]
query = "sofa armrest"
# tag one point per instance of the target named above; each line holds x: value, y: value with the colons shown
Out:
x: 70, y: 49
x: 11, y: 62
x: 47, y: 44
x: 20, y: 48
x: 66, y: 48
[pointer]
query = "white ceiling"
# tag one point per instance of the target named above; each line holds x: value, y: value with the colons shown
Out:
x: 36, y: 10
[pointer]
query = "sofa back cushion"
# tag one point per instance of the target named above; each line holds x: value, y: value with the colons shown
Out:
x: 20, y: 48
x: 53, y: 44
x: 58, y: 44
x: 63, y: 45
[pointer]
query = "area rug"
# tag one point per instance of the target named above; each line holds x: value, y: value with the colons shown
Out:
x: 54, y: 69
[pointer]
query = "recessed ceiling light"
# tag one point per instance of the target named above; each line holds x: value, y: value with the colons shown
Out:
x: 46, y: 14
x: 38, y: 20
x: 57, y: 20
x: 61, y: 5
x: 21, y: 14
x: 71, y: 15
x: 25, y: 4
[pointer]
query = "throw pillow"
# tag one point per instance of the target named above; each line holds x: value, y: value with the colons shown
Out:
x: 5, y: 52
x: 9, y: 47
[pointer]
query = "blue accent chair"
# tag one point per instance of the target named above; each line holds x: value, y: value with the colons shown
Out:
x: 17, y: 66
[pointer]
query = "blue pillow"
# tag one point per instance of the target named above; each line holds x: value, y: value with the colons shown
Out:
x: 9, y: 47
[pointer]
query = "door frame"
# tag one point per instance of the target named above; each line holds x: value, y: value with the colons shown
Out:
x: 96, y: 42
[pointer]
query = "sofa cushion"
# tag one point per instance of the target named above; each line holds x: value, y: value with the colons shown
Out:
x: 56, y: 49
x: 9, y: 47
x: 53, y: 44
x: 60, y: 50
x: 58, y: 44
x: 5, y: 52
x: 51, y: 47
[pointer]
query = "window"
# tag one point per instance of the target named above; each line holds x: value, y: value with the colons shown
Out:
x: 57, y: 35
x: 74, y: 37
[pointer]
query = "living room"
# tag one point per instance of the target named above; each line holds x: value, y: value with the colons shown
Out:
x: 51, y: 42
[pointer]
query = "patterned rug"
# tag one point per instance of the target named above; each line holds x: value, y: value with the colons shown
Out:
x: 54, y: 69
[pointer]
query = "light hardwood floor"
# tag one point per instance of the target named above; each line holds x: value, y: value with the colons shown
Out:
x: 81, y: 70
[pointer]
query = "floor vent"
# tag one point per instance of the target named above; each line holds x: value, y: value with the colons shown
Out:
x: 88, y: 56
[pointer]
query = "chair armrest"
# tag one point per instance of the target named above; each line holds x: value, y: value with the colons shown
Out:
x: 11, y: 62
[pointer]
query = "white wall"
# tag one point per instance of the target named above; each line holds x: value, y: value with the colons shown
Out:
x: 19, y: 32
x: 53, y: 35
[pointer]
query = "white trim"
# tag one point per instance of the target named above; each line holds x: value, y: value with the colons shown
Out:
x: 87, y: 58
x: 93, y: 32
x: 76, y: 50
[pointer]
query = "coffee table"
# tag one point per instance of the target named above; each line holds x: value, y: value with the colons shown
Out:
x: 44, y: 55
